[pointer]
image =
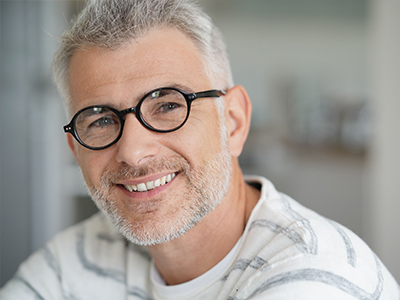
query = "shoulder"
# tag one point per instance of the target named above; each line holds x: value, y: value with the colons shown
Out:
x: 48, y: 261
x: 290, y: 249
x: 92, y: 231
x: 78, y: 261
x: 281, y: 223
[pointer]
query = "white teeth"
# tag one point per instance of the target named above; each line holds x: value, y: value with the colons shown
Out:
x: 144, y: 187
x: 150, y: 185
x: 157, y: 182
x: 141, y: 187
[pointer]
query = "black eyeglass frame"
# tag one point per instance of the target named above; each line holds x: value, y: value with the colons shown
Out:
x: 189, y: 97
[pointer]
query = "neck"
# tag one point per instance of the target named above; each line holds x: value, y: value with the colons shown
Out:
x: 209, y: 241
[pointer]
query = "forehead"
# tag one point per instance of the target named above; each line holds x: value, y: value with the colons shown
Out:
x: 163, y: 57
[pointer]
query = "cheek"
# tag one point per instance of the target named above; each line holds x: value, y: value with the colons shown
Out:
x: 210, y: 136
x: 93, y: 164
x: 199, y: 140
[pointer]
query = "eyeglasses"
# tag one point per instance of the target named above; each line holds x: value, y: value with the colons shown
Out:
x: 161, y: 110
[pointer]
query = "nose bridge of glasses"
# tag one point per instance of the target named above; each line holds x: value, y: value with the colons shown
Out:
x: 136, y: 111
x: 127, y: 111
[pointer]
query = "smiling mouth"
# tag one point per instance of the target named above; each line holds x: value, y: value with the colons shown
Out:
x: 150, y: 185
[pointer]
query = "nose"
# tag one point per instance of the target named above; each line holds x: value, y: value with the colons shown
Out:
x: 137, y: 145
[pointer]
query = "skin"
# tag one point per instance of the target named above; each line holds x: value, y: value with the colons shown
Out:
x: 119, y: 78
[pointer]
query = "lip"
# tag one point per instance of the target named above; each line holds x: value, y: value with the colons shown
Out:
x: 146, y: 194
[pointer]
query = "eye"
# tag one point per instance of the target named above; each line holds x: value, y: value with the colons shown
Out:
x: 167, y: 107
x: 104, y: 122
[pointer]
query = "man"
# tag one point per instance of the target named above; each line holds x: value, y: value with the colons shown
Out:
x: 157, y: 127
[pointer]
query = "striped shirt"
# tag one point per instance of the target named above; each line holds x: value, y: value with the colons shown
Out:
x: 286, y: 252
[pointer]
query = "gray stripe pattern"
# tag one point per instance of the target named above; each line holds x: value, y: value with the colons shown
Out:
x: 313, y: 243
x: 139, y: 293
x: 325, y: 277
x: 110, y: 238
x: 278, y: 229
x: 30, y: 288
x: 139, y: 250
x: 102, y: 272
x: 242, y: 264
x: 351, y: 253
x: 120, y: 238
x: 115, y: 275
x: 55, y: 267
x: 310, y: 247
x: 316, y: 276
x: 258, y: 262
x: 51, y: 262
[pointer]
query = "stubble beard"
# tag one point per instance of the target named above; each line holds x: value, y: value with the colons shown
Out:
x: 205, y: 187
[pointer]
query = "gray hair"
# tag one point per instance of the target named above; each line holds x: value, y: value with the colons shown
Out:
x: 113, y: 23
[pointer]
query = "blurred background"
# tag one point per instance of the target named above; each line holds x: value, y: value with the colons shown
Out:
x: 323, y: 77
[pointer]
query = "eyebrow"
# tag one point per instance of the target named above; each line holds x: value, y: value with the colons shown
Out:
x: 178, y: 86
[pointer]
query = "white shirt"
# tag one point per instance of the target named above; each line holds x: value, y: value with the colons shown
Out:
x: 286, y: 252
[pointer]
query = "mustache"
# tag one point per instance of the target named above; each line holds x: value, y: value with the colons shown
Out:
x: 124, y: 171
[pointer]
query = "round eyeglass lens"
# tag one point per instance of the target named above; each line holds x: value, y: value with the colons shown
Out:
x: 164, y: 109
x: 97, y: 126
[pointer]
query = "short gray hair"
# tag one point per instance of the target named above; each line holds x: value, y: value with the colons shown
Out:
x: 113, y: 23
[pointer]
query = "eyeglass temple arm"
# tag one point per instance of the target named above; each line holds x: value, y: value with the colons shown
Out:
x: 212, y: 93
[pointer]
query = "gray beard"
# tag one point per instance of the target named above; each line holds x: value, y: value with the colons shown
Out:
x: 205, y: 188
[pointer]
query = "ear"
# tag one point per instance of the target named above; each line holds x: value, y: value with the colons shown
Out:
x: 72, y: 145
x: 238, y: 114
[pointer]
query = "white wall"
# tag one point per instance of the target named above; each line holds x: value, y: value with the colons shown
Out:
x: 383, y: 219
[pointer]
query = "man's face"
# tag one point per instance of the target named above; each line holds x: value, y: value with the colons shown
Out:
x: 189, y: 168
